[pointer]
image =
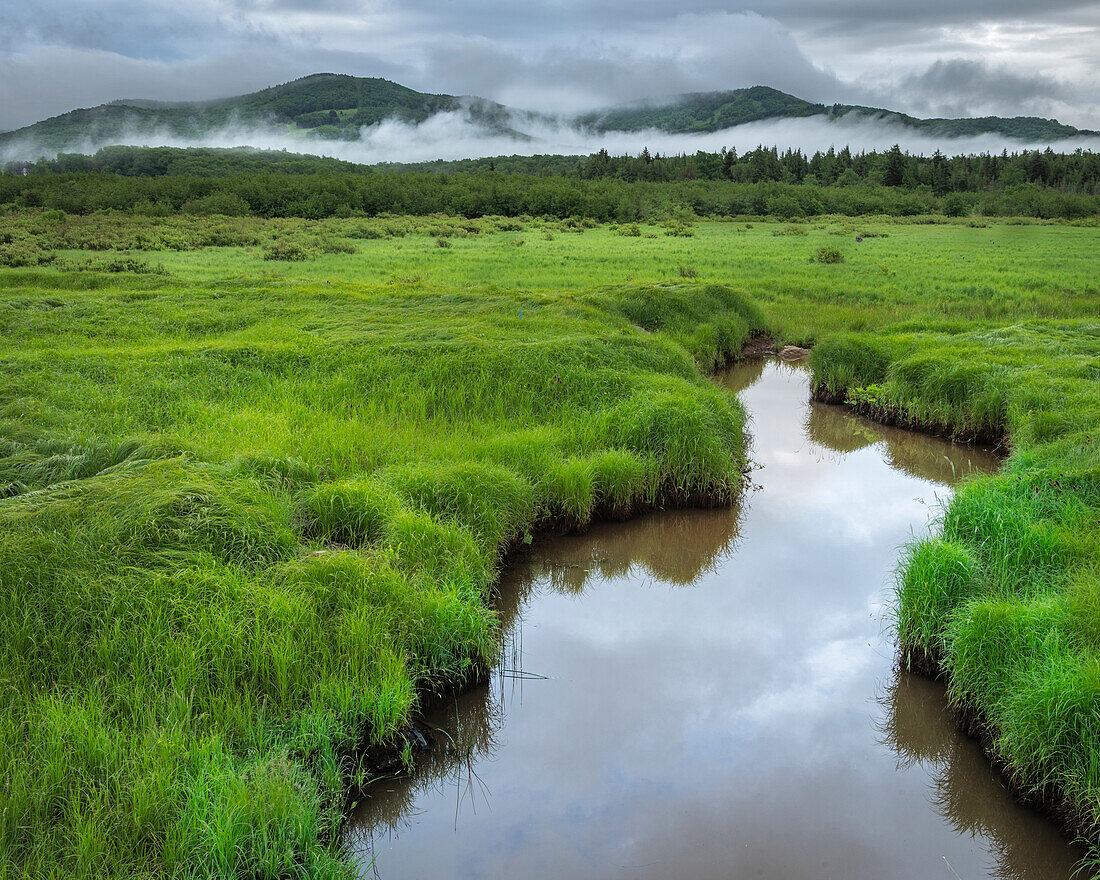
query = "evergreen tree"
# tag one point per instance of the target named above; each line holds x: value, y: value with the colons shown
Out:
x: 894, y: 172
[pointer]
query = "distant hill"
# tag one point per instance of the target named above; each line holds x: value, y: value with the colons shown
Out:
x: 1023, y: 128
x: 714, y: 111
x: 325, y: 105
x: 335, y: 106
x: 702, y: 111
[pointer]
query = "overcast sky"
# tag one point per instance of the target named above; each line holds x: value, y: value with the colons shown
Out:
x: 965, y: 57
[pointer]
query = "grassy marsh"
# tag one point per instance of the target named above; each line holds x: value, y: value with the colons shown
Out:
x: 250, y: 508
x: 246, y: 522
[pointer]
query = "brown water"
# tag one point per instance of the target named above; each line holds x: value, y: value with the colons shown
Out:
x: 719, y: 696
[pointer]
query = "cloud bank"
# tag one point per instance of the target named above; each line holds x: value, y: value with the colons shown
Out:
x: 965, y: 57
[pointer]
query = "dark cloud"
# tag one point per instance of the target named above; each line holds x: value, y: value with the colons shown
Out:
x: 500, y: 19
x: 160, y: 31
x: 686, y: 53
x: 965, y: 87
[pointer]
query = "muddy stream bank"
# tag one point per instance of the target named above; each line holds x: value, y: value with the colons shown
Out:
x: 714, y: 694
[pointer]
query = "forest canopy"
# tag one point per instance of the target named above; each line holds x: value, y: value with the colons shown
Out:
x: 764, y: 181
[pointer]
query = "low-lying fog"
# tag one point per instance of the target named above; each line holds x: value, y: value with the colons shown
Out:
x: 453, y: 135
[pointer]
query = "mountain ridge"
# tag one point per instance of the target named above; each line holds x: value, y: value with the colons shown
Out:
x: 330, y: 106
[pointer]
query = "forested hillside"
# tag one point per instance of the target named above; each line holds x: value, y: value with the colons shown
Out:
x: 335, y: 107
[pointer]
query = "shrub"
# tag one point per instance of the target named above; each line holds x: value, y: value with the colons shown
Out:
x: 827, y: 255
x: 783, y: 206
x: 366, y: 232
x: 955, y: 205
x: 335, y: 246
x: 20, y: 255
x: 227, y: 203
x: 129, y: 264
x: 286, y: 249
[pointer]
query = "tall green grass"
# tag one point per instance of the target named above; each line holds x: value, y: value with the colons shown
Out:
x: 244, y: 526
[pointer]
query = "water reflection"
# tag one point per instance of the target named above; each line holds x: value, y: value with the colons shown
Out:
x: 964, y: 787
x: 674, y: 547
x: 464, y: 735
x: 927, y: 458
x: 708, y: 702
x: 746, y: 374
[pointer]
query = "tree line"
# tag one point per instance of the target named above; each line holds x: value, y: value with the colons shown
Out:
x: 1077, y: 172
x: 625, y: 189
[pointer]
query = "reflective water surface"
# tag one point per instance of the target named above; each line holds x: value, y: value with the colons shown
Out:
x: 712, y: 694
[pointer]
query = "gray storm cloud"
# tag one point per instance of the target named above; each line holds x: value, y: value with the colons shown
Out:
x: 688, y: 52
x: 966, y: 57
x: 961, y: 86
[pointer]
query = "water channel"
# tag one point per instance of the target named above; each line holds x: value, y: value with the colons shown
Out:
x: 714, y: 694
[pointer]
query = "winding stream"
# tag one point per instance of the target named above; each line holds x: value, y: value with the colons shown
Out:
x: 714, y: 694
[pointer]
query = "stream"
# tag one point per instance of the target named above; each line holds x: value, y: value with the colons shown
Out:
x: 715, y: 694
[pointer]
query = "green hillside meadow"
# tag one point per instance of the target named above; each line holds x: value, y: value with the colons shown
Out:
x: 258, y: 476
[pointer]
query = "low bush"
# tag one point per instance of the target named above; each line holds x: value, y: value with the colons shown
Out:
x: 827, y: 255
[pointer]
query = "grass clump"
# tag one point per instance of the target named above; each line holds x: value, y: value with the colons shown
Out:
x: 698, y: 441
x: 352, y: 512
x: 287, y: 250
x: 711, y: 321
x: 490, y: 501
x: 937, y: 577
x: 621, y: 480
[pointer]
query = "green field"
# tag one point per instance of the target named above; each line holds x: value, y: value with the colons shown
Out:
x: 257, y: 478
